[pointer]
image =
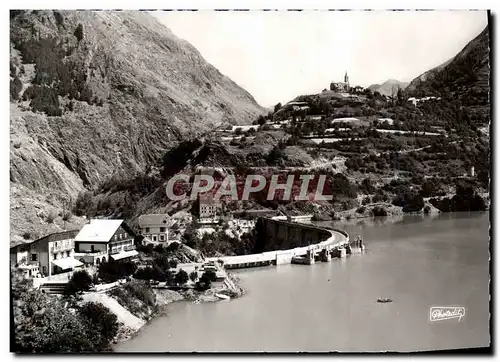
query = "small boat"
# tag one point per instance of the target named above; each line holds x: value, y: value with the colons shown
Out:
x: 384, y: 300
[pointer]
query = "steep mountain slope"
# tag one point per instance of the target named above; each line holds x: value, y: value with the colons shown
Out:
x: 465, y: 77
x: 427, y: 76
x: 100, y: 93
x: 387, y: 87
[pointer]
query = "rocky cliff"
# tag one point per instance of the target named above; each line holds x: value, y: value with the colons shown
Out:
x: 95, y: 94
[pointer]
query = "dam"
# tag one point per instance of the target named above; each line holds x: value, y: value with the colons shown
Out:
x: 285, y: 242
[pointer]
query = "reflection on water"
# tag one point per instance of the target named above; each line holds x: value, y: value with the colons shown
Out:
x: 417, y: 261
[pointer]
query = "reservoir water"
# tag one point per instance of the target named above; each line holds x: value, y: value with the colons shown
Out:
x: 417, y: 261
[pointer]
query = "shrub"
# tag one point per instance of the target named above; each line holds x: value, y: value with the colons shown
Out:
x: 84, y: 204
x: 66, y: 215
x: 181, y: 277
x: 141, y: 291
x: 173, y: 247
x: 205, y: 281
x: 379, y: 211
x: 144, y: 273
x: 158, y: 248
x: 50, y: 218
x: 367, y: 186
x: 80, y: 281
x: 361, y: 210
x: 112, y: 271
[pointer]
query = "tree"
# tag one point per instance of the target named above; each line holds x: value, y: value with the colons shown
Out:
x: 79, y: 32
x: 101, y: 320
x: 209, y: 275
x: 181, y: 277
x: 400, y: 96
x: 15, y: 87
x: 261, y: 120
x: 277, y: 107
x: 193, y: 276
x: 80, y: 281
x: 238, y: 131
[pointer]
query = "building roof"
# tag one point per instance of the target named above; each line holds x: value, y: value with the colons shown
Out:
x: 153, y: 219
x: 63, y: 235
x: 100, y: 230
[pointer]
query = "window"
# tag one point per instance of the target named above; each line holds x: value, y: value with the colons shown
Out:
x: 162, y: 230
x: 154, y: 238
x: 23, y: 250
x: 34, y: 257
x: 162, y: 237
x: 68, y: 253
x: 147, y: 230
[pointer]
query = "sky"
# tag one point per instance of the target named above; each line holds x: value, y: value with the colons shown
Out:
x: 277, y: 55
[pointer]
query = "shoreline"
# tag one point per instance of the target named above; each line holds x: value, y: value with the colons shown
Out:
x: 165, y: 297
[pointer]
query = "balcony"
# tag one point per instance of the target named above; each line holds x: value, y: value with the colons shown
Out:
x: 118, y: 249
x: 89, y: 253
x: 59, y: 248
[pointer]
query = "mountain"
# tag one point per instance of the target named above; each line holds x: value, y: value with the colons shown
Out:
x: 387, y: 87
x: 100, y: 94
x: 465, y: 77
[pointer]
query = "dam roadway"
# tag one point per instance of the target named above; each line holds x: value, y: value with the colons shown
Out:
x: 302, y: 238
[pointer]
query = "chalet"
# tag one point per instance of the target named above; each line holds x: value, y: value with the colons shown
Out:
x: 155, y: 227
x: 47, y: 256
x: 102, y: 240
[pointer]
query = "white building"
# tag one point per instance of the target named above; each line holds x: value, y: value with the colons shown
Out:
x: 49, y: 255
x: 155, y: 227
x: 102, y: 240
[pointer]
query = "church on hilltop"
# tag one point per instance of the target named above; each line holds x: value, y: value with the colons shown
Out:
x: 341, y: 86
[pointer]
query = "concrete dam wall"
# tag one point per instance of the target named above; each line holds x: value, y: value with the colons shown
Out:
x: 279, y: 241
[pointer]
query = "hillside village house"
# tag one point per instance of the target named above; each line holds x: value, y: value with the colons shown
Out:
x: 102, y: 240
x: 47, y: 256
x: 155, y: 227
x: 208, y: 209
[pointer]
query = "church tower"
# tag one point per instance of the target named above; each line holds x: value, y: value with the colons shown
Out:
x: 346, y: 78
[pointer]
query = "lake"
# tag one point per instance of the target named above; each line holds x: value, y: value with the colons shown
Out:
x: 417, y: 261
